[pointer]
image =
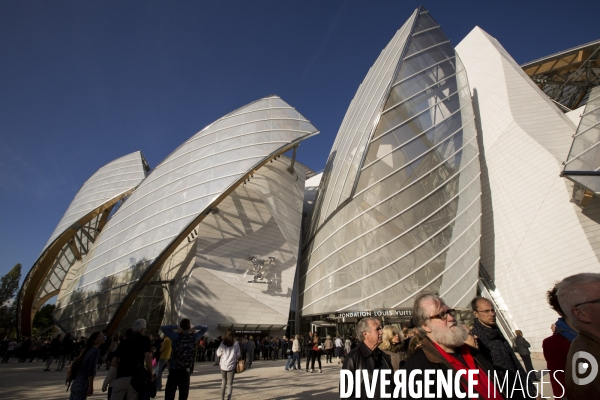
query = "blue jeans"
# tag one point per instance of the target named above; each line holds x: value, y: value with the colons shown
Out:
x: 289, y: 361
x: 161, y: 364
x: 79, y: 388
x: 296, y: 357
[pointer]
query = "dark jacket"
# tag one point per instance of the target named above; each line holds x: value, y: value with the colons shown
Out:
x: 494, y: 346
x: 54, y: 348
x: 428, y: 357
x: 522, y: 346
x: 362, y: 358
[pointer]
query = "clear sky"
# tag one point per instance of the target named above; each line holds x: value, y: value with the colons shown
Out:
x: 85, y: 82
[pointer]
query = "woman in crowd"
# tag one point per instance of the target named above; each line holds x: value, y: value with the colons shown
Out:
x: 347, y: 346
x: 315, y: 354
x: 392, y: 345
x: 289, y: 365
x: 523, y: 346
x: 328, y: 349
x: 85, y: 367
x: 228, y: 353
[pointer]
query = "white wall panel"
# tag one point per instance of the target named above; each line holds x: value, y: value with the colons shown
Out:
x: 531, y: 232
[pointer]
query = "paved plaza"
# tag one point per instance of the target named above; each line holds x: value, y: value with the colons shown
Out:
x: 265, y: 380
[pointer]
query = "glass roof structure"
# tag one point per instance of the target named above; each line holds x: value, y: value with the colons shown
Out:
x: 346, y: 156
x: 413, y: 220
x: 583, y: 164
x: 169, y: 203
x: 568, y: 76
x: 77, y: 231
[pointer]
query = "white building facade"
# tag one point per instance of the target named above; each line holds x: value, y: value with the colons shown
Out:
x: 533, y: 234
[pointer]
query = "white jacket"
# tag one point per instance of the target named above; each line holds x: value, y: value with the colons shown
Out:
x: 228, y: 356
x: 296, y: 346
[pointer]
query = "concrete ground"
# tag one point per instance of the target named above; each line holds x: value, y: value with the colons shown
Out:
x: 265, y: 380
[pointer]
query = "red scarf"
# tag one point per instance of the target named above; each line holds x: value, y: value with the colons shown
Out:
x: 483, y: 382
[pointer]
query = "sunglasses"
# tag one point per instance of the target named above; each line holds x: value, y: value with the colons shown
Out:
x: 444, y: 314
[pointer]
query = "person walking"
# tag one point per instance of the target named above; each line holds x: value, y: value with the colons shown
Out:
x: 24, y: 350
x: 523, y: 346
x: 287, y: 345
x: 250, y: 351
x: 132, y: 354
x: 308, y: 344
x: 53, y: 351
x: 111, y: 350
x: 347, y: 346
x: 315, y: 354
x: 391, y: 344
x: 12, y: 345
x: 67, y: 346
x: 228, y: 353
x: 163, y: 360
x: 183, y: 356
x: 85, y: 365
x: 328, y: 346
x: 296, y: 353
x: 36, y: 347
x: 339, y: 348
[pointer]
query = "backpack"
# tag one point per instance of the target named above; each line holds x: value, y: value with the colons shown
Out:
x: 185, y: 351
x: 72, y: 372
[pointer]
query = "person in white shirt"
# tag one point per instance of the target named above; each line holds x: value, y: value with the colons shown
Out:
x: 296, y: 349
x: 339, y: 348
x: 12, y: 345
x: 228, y: 353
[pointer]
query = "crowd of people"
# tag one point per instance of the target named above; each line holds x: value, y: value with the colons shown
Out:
x: 136, y: 362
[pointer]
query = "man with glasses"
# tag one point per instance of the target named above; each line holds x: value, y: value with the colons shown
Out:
x: 443, y: 349
x: 498, y: 350
x: 579, y: 298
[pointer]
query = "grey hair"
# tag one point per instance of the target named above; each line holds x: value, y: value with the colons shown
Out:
x: 138, y: 325
x: 569, y: 291
x: 419, y: 315
x: 363, y: 326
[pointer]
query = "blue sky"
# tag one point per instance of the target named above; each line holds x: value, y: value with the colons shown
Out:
x: 85, y: 82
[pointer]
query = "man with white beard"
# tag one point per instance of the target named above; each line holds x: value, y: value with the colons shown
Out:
x: 442, y: 349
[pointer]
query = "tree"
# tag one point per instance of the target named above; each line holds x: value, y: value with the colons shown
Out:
x: 43, y: 318
x: 9, y: 284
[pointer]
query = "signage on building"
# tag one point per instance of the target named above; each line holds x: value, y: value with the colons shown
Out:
x: 250, y: 332
x: 375, y: 313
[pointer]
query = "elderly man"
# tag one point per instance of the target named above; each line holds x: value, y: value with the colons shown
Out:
x: 443, y: 349
x: 129, y: 355
x: 579, y: 298
x: 367, y: 356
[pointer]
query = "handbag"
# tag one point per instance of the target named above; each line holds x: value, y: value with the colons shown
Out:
x: 240, y: 366
x: 141, y: 382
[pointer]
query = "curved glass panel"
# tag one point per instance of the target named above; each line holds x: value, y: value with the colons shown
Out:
x: 172, y: 196
x: 583, y: 163
x: 414, y: 220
